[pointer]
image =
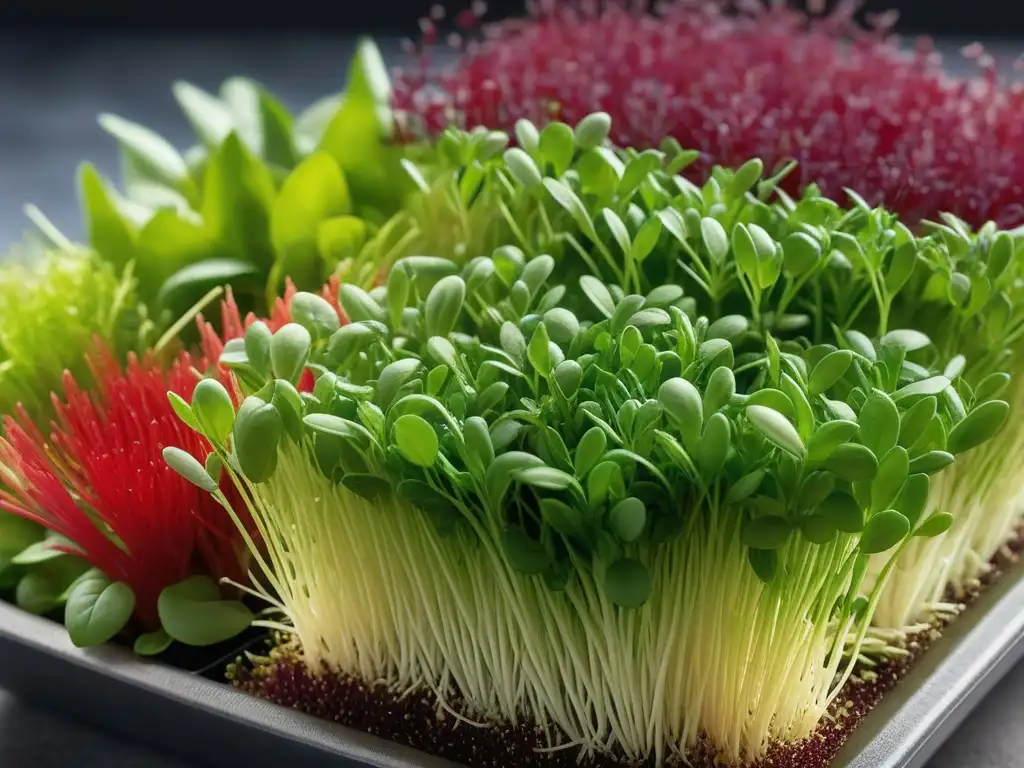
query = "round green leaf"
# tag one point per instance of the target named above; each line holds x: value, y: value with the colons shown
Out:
x: 852, y: 462
x: 765, y: 563
x: 745, y: 487
x: 394, y: 376
x: 568, y: 375
x: 800, y: 252
x: 843, y: 512
x: 194, y: 613
x: 97, y: 609
x: 893, y: 470
x: 991, y: 386
x: 828, y: 437
x: 777, y: 428
x: 524, y: 554
x: 935, y: 525
x: 768, y: 532
x: 980, y: 425
x: 257, y: 346
x: 359, y: 306
x: 933, y: 385
x: 908, y: 339
x: 714, y: 445
x: 444, y: 305
x: 628, y: 518
x: 213, y: 410
x: 931, y: 462
x: 416, y: 440
x: 557, y: 145
x: 682, y: 403
x: 522, y: 167
x: 592, y: 130
x: 916, y: 419
x: 565, y: 519
x: 186, y: 465
x: 817, y: 528
x: 153, y: 643
x: 879, y: 421
x: 369, y: 487
x: 547, y: 478
x: 719, y: 391
x: 255, y: 437
x: 589, y: 451
x: 913, y: 498
x: 883, y: 531
x: 715, y: 239
x: 289, y: 351
x: 728, y: 327
x: 628, y: 583
x: 830, y: 369
x: 314, y: 314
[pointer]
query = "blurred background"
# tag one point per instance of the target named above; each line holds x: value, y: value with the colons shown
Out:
x: 939, y: 17
x: 63, y: 63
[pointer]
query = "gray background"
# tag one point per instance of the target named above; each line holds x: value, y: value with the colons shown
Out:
x: 50, y: 92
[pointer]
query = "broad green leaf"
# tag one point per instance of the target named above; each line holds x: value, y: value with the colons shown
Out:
x: 829, y: 370
x: 628, y: 518
x: 159, y: 155
x: 289, y: 352
x: 879, y: 421
x: 908, y: 339
x: 525, y: 554
x: 109, y: 234
x: 238, y: 194
x: 592, y: 130
x: 213, y: 410
x: 97, y: 609
x: 628, y: 583
x: 393, y: 378
x: 194, y: 612
x: 768, y: 532
x: 883, y: 531
x: 556, y: 146
x: 209, y: 116
x: 416, y: 439
x: 828, y: 437
x: 169, y: 243
x: 444, y: 305
x: 682, y: 404
x: 777, y: 428
x: 152, y: 643
x: 893, y: 471
x: 980, y: 425
x: 915, y: 420
x: 913, y: 498
x: 765, y: 563
x: 852, y: 462
x: 256, y: 437
x: 358, y: 136
x: 598, y: 294
x: 565, y: 519
x: 935, y: 525
x: 311, y: 194
x: 931, y: 462
x: 196, y: 279
x: 843, y: 512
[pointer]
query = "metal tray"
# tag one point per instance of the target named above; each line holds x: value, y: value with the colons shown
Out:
x: 227, y: 728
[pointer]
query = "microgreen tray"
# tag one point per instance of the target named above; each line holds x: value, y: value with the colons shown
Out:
x: 205, y: 721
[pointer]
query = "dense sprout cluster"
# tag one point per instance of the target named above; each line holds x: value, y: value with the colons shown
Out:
x: 560, y: 433
x: 559, y: 426
x: 849, y: 105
